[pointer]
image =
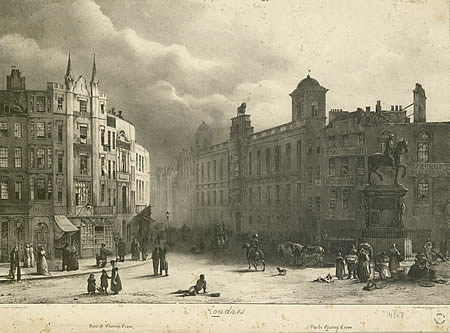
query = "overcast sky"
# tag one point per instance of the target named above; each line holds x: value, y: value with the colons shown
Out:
x: 172, y: 63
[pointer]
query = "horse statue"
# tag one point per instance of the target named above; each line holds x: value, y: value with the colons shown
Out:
x: 376, y: 160
x: 241, y: 109
x: 254, y: 256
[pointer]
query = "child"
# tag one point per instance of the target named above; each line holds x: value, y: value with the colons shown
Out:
x: 91, y: 285
x: 104, y: 282
x: 201, y: 284
x: 340, y: 266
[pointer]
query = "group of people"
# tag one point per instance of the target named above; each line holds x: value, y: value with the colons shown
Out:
x: 69, y: 258
x: 116, y: 283
x: 159, y: 260
x: 28, y: 262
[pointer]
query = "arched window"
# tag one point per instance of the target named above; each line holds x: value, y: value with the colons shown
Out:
x: 423, y: 147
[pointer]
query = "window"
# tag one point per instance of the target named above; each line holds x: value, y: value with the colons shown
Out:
x: 102, y: 136
x: 317, y: 173
x: 102, y: 108
x: 83, y: 164
x: 50, y: 158
x: 277, y: 194
x: 113, y: 140
x: 360, y: 165
x: 82, y: 193
x: 40, y: 103
x: 49, y: 189
x: 198, y: 198
x: 288, y: 156
x: 331, y: 142
x: 109, y: 197
x: 268, y: 194
x: 277, y: 158
x: 310, y: 146
x: 422, y: 189
x: 345, y: 197
x: 259, y: 195
x: 40, y: 158
x: 332, y: 167
x: 214, y: 168
x: 344, y: 166
x: 102, y: 193
x: 250, y: 195
x: 288, y: 193
x: 310, y: 202
x: 315, y: 109
x: 49, y: 130
x: 221, y: 197
x: 31, y: 103
x: 17, y: 130
x: 310, y: 176
x: 299, y: 193
x: 208, y: 196
x: 267, y: 160
x: 332, y: 199
x: 102, y: 166
x: 109, y: 139
x: 4, y: 190
x: 31, y: 157
x: 318, y: 146
x: 250, y: 163
x: 83, y: 133
x: 60, y: 196
x: 318, y: 202
x: 60, y: 162
x: 203, y: 198
x: 109, y: 169
x: 203, y: 172
x: 60, y: 132
x: 361, y: 140
x: 31, y: 189
x: 208, y: 170
x: 40, y: 130
x: 3, y: 129
x: 250, y: 220
x: 18, y: 187
x: 299, y: 154
x: 41, y: 189
x: 83, y: 106
x: 60, y: 100
x: 258, y: 162
x: 221, y: 174
x: 345, y: 140
x: 214, y: 197
x: 3, y: 157
x: 18, y: 157
x: 423, y: 152
x: 114, y: 169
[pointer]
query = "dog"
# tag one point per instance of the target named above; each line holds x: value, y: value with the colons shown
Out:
x: 281, y: 271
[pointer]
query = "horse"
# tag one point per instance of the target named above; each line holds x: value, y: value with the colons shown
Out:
x: 286, y: 251
x: 314, y: 252
x: 376, y: 160
x: 254, y: 257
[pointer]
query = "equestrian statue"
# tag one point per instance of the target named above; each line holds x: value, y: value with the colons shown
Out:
x: 389, y: 158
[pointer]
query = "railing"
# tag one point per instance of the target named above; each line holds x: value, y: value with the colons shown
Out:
x: 103, y: 210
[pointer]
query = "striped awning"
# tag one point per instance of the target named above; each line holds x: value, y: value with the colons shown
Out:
x: 63, y: 226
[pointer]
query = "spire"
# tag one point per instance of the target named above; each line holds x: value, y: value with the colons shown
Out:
x: 94, y: 78
x: 69, y: 73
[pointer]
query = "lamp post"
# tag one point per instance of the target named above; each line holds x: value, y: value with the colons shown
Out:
x: 167, y: 231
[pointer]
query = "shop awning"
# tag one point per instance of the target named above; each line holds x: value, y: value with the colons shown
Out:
x: 63, y: 226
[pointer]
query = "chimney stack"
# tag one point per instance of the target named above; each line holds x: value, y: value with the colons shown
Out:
x: 392, y: 108
x: 400, y: 107
x: 396, y: 108
x: 378, y: 107
x: 420, y: 100
x: 120, y: 114
x: 367, y: 108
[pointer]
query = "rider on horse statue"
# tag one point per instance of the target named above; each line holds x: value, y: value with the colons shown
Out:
x: 390, y: 148
x: 254, y: 243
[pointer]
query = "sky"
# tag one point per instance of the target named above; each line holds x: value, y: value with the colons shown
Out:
x: 170, y: 64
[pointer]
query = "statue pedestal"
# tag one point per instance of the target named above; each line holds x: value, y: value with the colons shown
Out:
x: 384, y: 209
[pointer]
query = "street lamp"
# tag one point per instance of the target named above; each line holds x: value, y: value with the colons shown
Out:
x: 167, y: 231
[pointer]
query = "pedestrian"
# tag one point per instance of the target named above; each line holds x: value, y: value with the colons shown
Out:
x: 91, y: 284
x: 65, y: 257
x: 394, y: 259
x: 102, y: 257
x: 164, y: 265
x: 427, y: 249
x: 73, y: 259
x: 363, y: 266
x: 202, y: 245
x: 155, y: 259
x: 135, y: 249
x: 116, y: 283
x: 121, y: 250
x: 201, y: 284
x: 15, y: 264
x: 41, y: 265
x: 104, y: 281
x: 31, y: 256
x: 340, y: 266
x: 27, y: 257
x: 144, y: 250
x: 381, y: 265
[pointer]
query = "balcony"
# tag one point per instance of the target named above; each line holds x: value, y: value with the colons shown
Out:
x: 345, y: 151
x: 104, y: 210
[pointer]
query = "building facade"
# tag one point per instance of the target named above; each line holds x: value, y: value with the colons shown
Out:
x: 68, y: 166
x: 304, y: 179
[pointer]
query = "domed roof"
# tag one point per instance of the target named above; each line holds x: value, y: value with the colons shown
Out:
x: 203, y: 127
x: 308, y: 82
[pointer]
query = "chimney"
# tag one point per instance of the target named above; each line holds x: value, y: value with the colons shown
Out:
x: 113, y: 110
x: 15, y: 81
x: 420, y: 100
x: 392, y: 108
x: 400, y: 107
x: 378, y: 107
x: 396, y: 108
x: 120, y: 114
x: 367, y: 108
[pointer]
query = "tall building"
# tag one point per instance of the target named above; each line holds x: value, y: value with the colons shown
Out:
x: 304, y: 179
x: 68, y: 166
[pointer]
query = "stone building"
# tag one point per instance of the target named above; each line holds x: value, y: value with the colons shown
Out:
x: 162, y: 195
x: 67, y: 166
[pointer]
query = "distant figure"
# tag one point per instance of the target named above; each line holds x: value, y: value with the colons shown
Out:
x: 103, y: 256
x: 394, y: 259
x: 144, y: 251
x: 41, y: 265
x: 363, y: 266
x: 163, y: 264
x: 340, y: 266
x: 381, y: 265
x: 202, y: 245
x: 201, y: 284
x: 73, y: 259
x: 15, y: 264
x: 116, y: 283
x: 121, y: 250
x: 155, y: 259
x: 27, y: 257
x: 135, y: 250
x: 91, y: 284
x: 32, y: 260
x: 65, y: 257
x: 427, y: 249
x: 104, y: 282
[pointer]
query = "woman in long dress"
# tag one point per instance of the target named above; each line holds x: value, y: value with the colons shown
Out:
x: 340, y: 266
x: 363, y: 266
x: 31, y: 256
x: 27, y: 258
x: 394, y: 259
x: 427, y: 247
x: 116, y: 283
x: 42, y: 266
x: 73, y: 259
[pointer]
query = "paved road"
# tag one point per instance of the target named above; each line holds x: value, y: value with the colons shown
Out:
x: 232, y: 280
